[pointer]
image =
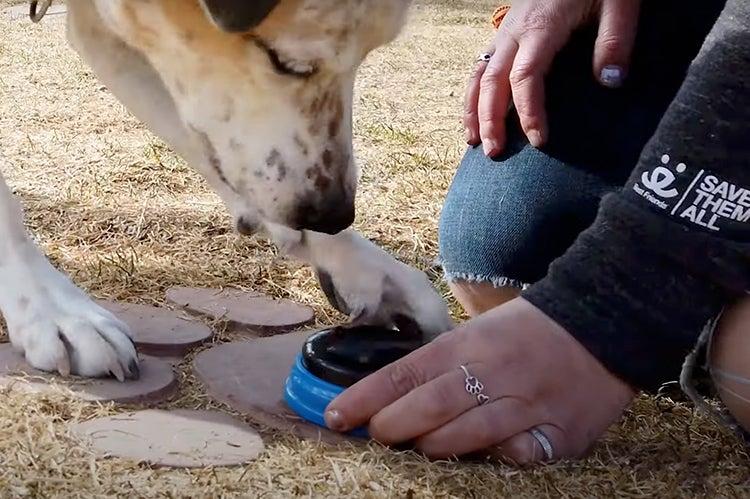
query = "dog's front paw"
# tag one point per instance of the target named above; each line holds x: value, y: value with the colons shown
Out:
x: 374, y: 288
x: 59, y: 328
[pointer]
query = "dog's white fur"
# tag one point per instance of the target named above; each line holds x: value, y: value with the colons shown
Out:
x: 272, y: 145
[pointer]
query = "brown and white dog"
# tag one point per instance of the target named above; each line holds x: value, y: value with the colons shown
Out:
x: 257, y: 96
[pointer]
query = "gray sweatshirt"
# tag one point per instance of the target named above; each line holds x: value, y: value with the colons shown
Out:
x: 669, y: 251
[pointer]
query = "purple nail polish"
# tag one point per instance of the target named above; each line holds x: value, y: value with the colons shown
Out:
x: 612, y: 76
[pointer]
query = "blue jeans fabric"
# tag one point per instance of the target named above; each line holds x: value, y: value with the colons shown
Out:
x: 505, y: 220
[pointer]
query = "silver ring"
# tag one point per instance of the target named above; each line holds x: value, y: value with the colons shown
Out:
x: 486, y: 57
x: 474, y: 387
x: 544, y: 441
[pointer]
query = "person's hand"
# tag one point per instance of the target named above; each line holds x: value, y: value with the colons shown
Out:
x: 535, y: 377
x: 530, y: 36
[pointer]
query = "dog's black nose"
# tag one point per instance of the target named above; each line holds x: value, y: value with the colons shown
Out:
x: 246, y: 227
x: 339, y: 217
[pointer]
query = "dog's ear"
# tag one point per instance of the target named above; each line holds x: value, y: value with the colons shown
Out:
x: 237, y: 16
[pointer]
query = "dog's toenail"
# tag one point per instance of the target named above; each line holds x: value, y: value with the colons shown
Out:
x: 135, y: 371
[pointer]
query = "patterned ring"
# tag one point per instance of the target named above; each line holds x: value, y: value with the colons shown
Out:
x: 486, y: 57
x: 474, y: 387
x: 544, y: 441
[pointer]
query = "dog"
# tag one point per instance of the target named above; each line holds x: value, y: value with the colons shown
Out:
x: 257, y: 96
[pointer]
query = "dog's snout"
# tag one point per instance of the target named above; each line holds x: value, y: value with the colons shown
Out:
x: 246, y: 227
x: 332, y: 218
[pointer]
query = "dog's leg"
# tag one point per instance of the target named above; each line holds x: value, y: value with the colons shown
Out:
x: 370, y: 283
x: 363, y: 281
x: 50, y: 320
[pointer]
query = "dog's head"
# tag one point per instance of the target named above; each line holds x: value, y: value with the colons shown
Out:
x: 265, y: 87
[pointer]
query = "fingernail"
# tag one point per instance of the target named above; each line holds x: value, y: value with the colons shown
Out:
x: 469, y: 136
x: 335, y: 421
x: 611, y: 76
x: 490, y: 147
x: 535, y: 138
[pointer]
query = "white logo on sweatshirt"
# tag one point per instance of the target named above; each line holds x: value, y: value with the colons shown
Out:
x: 708, y: 201
x: 660, y: 180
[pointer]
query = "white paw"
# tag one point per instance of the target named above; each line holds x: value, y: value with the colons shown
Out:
x: 372, y: 287
x: 58, y: 327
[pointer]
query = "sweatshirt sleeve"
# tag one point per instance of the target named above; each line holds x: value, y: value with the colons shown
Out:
x: 672, y: 248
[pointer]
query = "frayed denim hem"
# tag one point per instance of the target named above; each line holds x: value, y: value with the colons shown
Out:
x: 498, y: 282
x: 688, y: 381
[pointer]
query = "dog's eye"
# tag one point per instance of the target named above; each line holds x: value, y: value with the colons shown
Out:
x: 286, y: 66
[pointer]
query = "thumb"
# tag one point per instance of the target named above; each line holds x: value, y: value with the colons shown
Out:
x: 618, y: 27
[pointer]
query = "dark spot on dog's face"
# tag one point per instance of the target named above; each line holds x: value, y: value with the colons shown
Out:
x: 234, y: 144
x: 276, y: 160
x: 188, y: 36
x: 213, y: 157
x: 273, y: 159
x: 322, y: 182
x: 334, y: 126
x: 23, y: 303
x: 228, y: 111
x: 301, y: 145
x: 327, y: 159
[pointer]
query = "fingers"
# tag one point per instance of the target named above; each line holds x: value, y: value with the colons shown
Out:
x: 357, y: 405
x: 517, y: 71
x: 533, y: 60
x: 471, y: 102
x: 495, y: 96
x: 478, y: 429
x: 523, y: 448
x: 428, y: 407
x: 618, y: 27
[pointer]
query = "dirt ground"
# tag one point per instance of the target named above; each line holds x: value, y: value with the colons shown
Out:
x: 114, y: 207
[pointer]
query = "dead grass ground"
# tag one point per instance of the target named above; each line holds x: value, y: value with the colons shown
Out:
x: 126, y: 218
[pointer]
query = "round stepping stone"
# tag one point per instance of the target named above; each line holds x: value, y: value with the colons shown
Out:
x: 250, y: 376
x: 242, y: 310
x: 156, y: 383
x: 159, y: 331
x: 176, y: 439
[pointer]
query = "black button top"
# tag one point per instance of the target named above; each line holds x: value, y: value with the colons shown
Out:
x: 345, y: 355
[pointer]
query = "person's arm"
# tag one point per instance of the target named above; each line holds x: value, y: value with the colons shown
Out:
x: 671, y: 249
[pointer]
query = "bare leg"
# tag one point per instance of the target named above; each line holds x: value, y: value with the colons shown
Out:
x: 479, y: 297
x: 730, y: 361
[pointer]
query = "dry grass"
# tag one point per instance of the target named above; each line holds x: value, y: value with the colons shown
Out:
x: 126, y: 218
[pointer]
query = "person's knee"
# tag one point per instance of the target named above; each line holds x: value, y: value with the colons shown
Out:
x: 730, y: 361
x: 486, y: 227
